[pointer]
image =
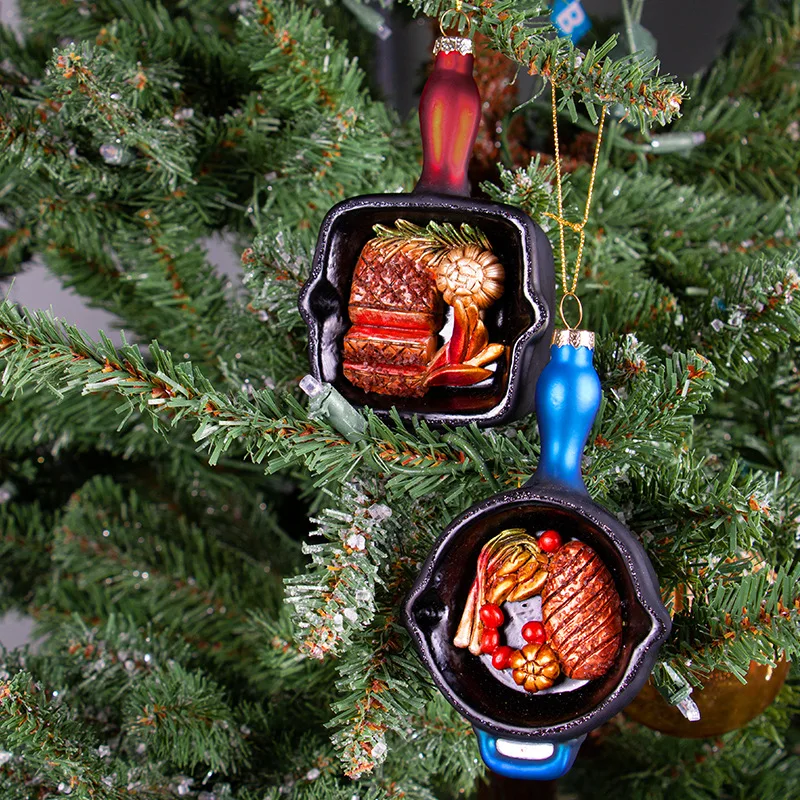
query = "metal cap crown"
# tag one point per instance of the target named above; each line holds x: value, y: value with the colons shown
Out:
x: 453, y: 44
x: 574, y: 338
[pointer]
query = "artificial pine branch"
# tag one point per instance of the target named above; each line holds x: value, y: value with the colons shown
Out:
x: 38, y: 352
x: 152, y: 560
x: 52, y: 746
x: 98, y: 665
x: 182, y: 392
x: 168, y: 289
x: 337, y: 141
x: 442, y: 743
x: 24, y: 549
x: 275, y: 269
x: 344, y: 571
x: 529, y: 188
x: 758, y: 421
x: 517, y: 31
x: 285, y: 665
x: 181, y: 716
x: 93, y: 85
x: 379, y: 696
x: 705, y: 239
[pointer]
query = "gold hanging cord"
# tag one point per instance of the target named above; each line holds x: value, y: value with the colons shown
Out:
x: 578, y: 227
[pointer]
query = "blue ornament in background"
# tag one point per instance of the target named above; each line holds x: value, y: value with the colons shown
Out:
x: 570, y: 19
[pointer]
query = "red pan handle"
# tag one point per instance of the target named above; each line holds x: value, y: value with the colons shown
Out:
x: 449, y: 116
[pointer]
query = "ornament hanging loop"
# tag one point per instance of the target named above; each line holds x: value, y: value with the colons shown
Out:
x: 455, y: 19
x: 571, y: 296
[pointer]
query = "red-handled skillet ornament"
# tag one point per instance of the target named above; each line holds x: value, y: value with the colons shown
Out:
x: 538, y: 613
x: 433, y: 303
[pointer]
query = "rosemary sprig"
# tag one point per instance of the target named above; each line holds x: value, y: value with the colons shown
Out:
x: 430, y: 242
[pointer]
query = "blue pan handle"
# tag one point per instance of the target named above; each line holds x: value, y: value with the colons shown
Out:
x: 568, y: 396
x: 550, y: 766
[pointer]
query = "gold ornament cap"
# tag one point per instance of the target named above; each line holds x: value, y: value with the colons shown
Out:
x: 453, y: 44
x: 573, y: 338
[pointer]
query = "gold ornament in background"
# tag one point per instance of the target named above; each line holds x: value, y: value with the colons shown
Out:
x: 725, y: 704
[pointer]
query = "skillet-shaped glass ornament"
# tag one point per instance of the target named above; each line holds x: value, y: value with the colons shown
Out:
x: 579, y: 650
x: 433, y: 303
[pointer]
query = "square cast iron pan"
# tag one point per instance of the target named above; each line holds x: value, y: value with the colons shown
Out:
x: 522, y: 319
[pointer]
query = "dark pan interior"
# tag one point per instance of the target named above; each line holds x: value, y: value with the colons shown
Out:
x: 438, y: 610
x: 506, y: 320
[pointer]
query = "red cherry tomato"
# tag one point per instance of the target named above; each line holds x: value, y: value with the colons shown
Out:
x: 500, y: 657
x: 550, y: 541
x: 490, y: 639
x: 534, y: 633
x: 491, y: 615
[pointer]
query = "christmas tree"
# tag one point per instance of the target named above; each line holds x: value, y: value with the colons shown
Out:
x: 216, y: 574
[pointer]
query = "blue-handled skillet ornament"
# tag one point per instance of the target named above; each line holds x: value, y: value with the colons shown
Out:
x: 538, y: 613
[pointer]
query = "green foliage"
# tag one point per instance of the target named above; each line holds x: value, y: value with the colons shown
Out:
x: 517, y: 30
x: 216, y: 577
x: 49, y: 745
x: 23, y: 550
x: 345, y: 573
x: 181, y: 717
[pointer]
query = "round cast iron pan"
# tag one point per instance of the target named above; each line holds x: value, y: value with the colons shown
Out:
x: 434, y: 607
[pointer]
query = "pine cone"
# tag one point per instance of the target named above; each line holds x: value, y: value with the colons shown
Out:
x: 582, y: 612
